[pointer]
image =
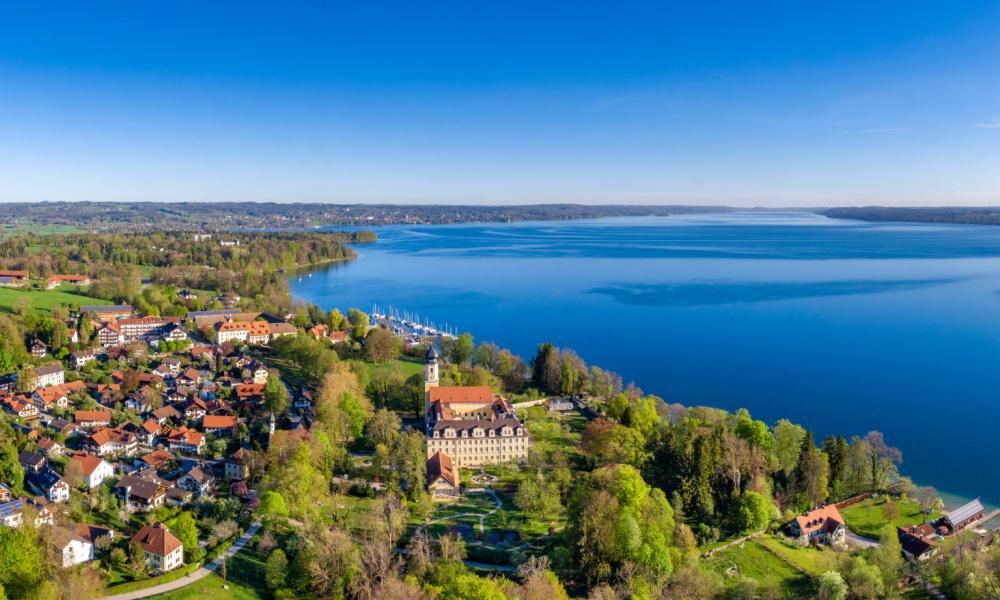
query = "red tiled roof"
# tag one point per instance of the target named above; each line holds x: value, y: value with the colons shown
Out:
x: 460, y: 394
x: 92, y: 415
x: 440, y: 466
x: 825, y: 517
x: 89, y: 462
x: 156, y: 539
x: 218, y: 422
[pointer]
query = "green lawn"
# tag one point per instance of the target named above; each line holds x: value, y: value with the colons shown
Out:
x: 868, y: 518
x: 406, y: 367
x: 752, y: 560
x: 813, y: 560
x: 245, y: 580
x: 46, y: 300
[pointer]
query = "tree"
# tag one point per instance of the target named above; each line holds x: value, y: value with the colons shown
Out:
x: 755, y: 511
x: 272, y: 505
x: 831, y: 586
x: 136, y: 559
x: 185, y: 528
x: 381, y: 345
x: 811, y: 477
x: 616, y: 518
x: 788, y: 445
x: 882, y: 460
x: 545, y: 369
x: 275, y: 569
x: 460, y: 351
x: 359, y: 323
x: 864, y: 580
x: 889, y: 556
x: 276, y: 396
x: 383, y: 428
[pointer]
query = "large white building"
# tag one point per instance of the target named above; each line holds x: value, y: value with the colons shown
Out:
x: 470, y: 424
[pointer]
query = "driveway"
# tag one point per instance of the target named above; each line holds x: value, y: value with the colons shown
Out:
x: 193, y: 577
x: 858, y: 541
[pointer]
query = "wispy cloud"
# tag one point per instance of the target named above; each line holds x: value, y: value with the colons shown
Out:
x: 992, y: 124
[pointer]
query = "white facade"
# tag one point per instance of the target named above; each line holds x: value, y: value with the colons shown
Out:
x: 77, y: 551
x: 103, y: 471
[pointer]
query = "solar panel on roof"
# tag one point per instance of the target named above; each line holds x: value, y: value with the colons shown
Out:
x: 10, y: 508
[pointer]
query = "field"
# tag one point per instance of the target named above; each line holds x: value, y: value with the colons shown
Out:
x: 14, y: 229
x: 868, y: 518
x: 45, y: 300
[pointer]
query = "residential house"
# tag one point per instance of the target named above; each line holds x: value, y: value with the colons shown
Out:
x: 57, y: 395
x: 140, y: 493
x: 89, y: 419
x: 63, y: 426
x: 918, y: 542
x: 443, y: 480
x: 184, y: 439
x: 81, y: 358
x: 166, y: 413
x: 820, y: 525
x: 38, y: 348
x: 19, y: 406
x: 93, y: 533
x: 338, y: 337
x: 237, y: 466
x: 50, y: 374
x: 163, y: 551
x: 49, y: 447
x: 32, y: 462
x: 108, y: 440
x: 219, y: 425
x: 156, y: 460
x: 11, y: 510
x: 198, y: 480
x: 250, y: 393
x: 48, y: 483
x: 109, y: 334
x: 95, y: 469
x: 71, y: 547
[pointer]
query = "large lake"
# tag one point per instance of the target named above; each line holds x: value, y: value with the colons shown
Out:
x: 841, y: 326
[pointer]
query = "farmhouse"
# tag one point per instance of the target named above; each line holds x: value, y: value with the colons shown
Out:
x: 55, y: 281
x: 820, y: 525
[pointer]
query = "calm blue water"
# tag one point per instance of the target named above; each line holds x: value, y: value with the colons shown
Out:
x: 841, y: 326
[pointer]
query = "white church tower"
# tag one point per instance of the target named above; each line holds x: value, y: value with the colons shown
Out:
x: 430, y: 377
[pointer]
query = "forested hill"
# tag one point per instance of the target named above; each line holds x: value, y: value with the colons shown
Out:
x: 972, y: 215
x: 223, y: 216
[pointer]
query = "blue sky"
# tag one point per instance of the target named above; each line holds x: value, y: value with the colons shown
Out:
x: 754, y: 103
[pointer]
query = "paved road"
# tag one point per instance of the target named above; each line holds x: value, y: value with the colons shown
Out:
x: 193, y: 577
x: 859, y: 541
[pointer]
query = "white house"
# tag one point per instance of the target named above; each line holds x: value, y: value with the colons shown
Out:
x: 73, y: 548
x: 95, y: 469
